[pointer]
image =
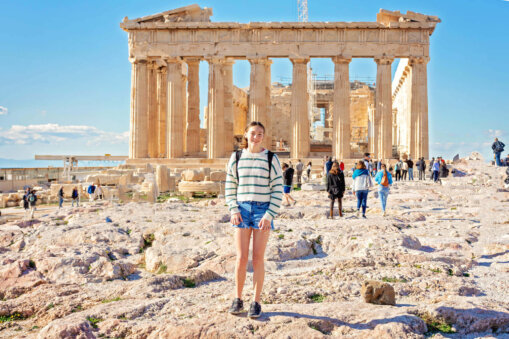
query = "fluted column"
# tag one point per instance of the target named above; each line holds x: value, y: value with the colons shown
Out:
x: 419, y: 146
x: 228, y: 105
x: 162, y: 112
x: 383, y: 104
x: 259, y: 95
x: 183, y: 79
x: 193, y: 106
x: 268, y: 114
x: 341, y: 113
x: 138, y: 139
x: 299, y: 110
x: 175, y: 134
x: 215, y: 120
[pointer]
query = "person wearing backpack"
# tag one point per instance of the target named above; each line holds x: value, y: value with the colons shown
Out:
x: 26, y: 204
x: 91, y: 192
x: 498, y: 148
x: 335, y: 188
x: 75, y: 197
x: 397, y: 169
x: 253, y: 193
x: 60, y: 196
x: 32, y: 200
x: 384, y: 180
x: 287, y: 184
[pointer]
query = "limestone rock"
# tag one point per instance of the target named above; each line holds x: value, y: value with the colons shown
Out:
x: 63, y: 329
x: 313, y: 187
x: 193, y: 175
x: 218, y: 176
x: 380, y: 293
x: 411, y: 242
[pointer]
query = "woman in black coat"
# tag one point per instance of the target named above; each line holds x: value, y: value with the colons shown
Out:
x: 335, y: 188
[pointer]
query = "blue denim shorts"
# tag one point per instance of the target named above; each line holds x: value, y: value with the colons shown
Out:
x: 287, y: 189
x: 252, y: 212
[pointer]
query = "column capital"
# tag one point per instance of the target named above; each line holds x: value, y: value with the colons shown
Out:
x: 384, y: 60
x: 418, y: 60
x: 259, y: 60
x: 175, y: 60
x: 299, y: 60
x: 215, y: 60
x: 192, y: 60
x: 341, y: 59
x: 229, y: 61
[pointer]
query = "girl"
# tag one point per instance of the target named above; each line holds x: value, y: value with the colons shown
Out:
x: 308, y: 170
x: 361, y: 184
x: 335, y: 188
x: 384, y: 180
x: 254, y: 189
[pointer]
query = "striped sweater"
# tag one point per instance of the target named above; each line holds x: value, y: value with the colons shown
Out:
x: 254, y: 183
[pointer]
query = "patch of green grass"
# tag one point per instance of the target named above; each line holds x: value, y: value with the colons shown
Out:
x: 281, y: 236
x: 296, y: 188
x: 148, y: 240
x: 290, y: 230
x: 105, y: 301
x: 417, y: 266
x: 162, y: 269
x: 449, y: 272
x: 353, y: 238
x: 316, y: 327
x: 394, y: 280
x: 163, y: 197
x: 94, y: 321
x: 465, y: 274
x: 435, y: 270
x: 128, y: 231
x: 31, y: 264
x: 50, y: 306
x: 188, y: 283
x: 317, y: 298
x: 11, y: 317
x: 208, y: 242
x: 77, y: 309
x: 436, y: 325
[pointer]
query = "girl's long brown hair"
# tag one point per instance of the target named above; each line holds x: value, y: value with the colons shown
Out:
x: 335, y: 168
x: 243, y: 144
x: 361, y: 165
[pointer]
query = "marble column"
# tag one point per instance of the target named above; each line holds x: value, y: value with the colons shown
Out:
x: 215, y: 120
x: 268, y: 115
x: 193, y: 106
x: 259, y: 95
x: 183, y: 79
x: 383, y: 109
x: 299, y: 118
x: 152, y: 110
x: 162, y: 112
x: 419, y: 146
x: 341, y: 113
x: 138, y: 139
x: 228, y: 105
x: 175, y: 110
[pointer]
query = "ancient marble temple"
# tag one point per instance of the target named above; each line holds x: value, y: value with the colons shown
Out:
x: 165, y: 51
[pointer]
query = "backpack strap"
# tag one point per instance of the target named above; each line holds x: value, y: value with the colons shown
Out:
x: 238, y: 154
x: 270, y: 156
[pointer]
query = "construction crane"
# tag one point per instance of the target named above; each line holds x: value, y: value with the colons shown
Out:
x: 302, y: 7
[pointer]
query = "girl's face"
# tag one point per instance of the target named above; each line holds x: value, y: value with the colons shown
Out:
x: 254, y: 135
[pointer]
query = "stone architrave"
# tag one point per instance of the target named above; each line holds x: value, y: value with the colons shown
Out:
x: 162, y: 112
x: 193, y: 106
x: 419, y: 142
x: 153, y: 114
x: 299, y: 109
x: 175, y: 107
x: 215, y: 119
x: 383, y: 108
x: 341, y: 113
x: 228, y: 105
x: 138, y: 141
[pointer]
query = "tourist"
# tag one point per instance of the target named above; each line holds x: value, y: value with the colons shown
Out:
x: 253, y: 195
x: 361, y: 184
x: 384, y: 180
x: 436, y: 169
x: 75, y: 197
x: 299, y: 167
x: 404, y: 169
x: 367, y: 159
x: 60, y: 196
x: 335, y: 188
x: 397, y: 169
x: 91, y: 192
x: 287, y: 184
x: 328, y: 165
x: 324, y: 162
x: 32, y: 200
x: 410, y: 169
x: 342, y: 166
x: 308, y: 170
x: 498, y: 148
x: 444, y: 171
x: 99, y: 192
x: 431, y: 163
x: 26, y: 204
x: 421, y: 165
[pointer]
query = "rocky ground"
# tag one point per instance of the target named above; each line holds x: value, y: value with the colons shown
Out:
x: 165, y: 270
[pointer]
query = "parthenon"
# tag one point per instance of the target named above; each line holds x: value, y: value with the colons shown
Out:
x: 165, y: 50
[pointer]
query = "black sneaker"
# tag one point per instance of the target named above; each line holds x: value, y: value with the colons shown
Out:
x: 255, y: 310
x: 237, y: 306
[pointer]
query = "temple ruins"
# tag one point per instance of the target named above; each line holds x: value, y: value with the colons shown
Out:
x: 388, y: 118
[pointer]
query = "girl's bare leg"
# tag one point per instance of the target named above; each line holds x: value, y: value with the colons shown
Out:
x: 260, y: 239
x: 242, y: 239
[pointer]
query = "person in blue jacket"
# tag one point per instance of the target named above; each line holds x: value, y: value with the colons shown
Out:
x: 384, y: 180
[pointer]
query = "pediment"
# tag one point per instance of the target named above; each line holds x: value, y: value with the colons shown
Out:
x: 385, y: 17
x: 191, y: 13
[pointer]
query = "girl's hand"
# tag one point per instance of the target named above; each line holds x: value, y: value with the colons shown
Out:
x: 236, y: 219
x: 264, y: 225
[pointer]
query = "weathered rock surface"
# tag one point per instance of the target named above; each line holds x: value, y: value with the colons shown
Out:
x: 376, y: 292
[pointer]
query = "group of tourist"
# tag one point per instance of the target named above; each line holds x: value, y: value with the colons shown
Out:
x: 93, y: 191
x: 29, y: 202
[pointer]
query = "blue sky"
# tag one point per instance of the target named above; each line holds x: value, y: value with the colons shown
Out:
x: 65, y: 76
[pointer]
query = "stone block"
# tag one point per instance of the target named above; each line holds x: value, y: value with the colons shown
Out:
x: 218, y: 176
x: 313, y: 187
x: 193, y: 175
x: 380, y: 293
x: 199, y: 186
x: 162, y: 178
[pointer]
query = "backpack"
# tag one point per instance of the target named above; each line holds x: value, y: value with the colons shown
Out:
x: 499, y: 147
x: 238, y: 154
x: 31, y: 197
x: 385, y: 179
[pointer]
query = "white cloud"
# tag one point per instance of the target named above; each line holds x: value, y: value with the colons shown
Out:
x: 3, y: 110
x: 495, y: 133
x: 55, y: 133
